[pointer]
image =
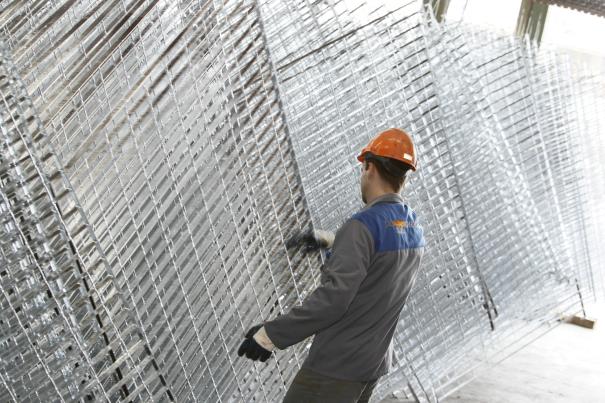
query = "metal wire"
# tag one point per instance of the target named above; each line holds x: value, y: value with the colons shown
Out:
x: 164, y: 116
x: 66, y: 334
x: 500, y: 190
x: 157, y: 155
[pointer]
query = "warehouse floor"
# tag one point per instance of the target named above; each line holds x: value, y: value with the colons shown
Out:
x: 565, y: 365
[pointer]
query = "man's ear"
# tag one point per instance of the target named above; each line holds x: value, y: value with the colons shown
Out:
x: 364, y: 166
x: 371, y: 168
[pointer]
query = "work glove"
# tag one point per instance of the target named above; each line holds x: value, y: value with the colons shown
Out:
x: 311, y: 240
x: 251, y: 348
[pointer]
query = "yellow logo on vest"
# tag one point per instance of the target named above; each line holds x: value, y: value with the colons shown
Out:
x: 399, y: 225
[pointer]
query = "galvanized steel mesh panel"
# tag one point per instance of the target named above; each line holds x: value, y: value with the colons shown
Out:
x: 166, y: 120
x: 589, y: 99
x: 500, y: 188
x: 193, y: 138
x: 66, y: 331
x: 525, y: 203
x: 335, y: 98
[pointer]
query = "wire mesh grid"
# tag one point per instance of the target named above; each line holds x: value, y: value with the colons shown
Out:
x: 66, y: 332
x: 167, y: 122
x: 193, y: 138
x: 335, y: 97
x: 497, y: 184
x: 590, y: 100
x: 525, y: 248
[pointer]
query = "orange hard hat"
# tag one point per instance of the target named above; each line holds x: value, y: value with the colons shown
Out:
x: 392, y: 143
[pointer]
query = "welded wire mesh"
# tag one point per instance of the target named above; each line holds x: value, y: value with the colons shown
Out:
x: 166, y: 120
x: 590, y: 101
x: 66, y: 333
x: 499, y: 187
x: 193, y: 138
x: 335, y: 98
x: 523, y: 175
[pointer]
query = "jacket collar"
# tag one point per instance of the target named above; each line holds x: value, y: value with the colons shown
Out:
x: 386, y: 198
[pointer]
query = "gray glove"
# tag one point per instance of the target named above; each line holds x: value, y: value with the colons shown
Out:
x: 312, y: 240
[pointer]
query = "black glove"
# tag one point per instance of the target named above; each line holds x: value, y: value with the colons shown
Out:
x: 311, y: 240
x: 251, y: 348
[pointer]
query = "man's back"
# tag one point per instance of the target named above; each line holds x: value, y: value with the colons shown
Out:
x: 356, y: 347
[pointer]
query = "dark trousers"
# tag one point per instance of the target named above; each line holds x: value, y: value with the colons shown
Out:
x: 311, y: 387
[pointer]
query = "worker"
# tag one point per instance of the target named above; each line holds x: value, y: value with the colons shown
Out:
x: 364, y: 284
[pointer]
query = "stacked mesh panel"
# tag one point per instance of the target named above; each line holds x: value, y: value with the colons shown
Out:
x: 589, y: 101
x: 66, y: 333
x: 336, y: 96
x: 518, y: 168
x: 192, y: 139
x: 166, y: 120
x: 499, y: 187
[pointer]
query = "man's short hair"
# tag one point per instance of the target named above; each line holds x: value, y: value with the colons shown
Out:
x: 390, y: 170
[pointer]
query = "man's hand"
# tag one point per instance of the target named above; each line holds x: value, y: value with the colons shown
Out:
x: 312, y: 240
x: 251, y: 348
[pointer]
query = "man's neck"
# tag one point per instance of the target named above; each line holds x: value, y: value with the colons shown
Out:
x: 377, y: 194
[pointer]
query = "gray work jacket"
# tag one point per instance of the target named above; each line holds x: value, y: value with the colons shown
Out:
x: 364, y: 286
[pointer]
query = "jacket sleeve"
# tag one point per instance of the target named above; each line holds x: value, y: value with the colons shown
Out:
x: 340, y: 280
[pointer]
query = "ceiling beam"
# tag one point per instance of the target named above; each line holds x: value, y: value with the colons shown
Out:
x: 439, y: 8
x: 532, y: 16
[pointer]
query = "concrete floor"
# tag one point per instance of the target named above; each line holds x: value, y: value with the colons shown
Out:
x: 565, y: 365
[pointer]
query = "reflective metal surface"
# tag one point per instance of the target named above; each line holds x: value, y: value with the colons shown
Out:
x: 156, y: 155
